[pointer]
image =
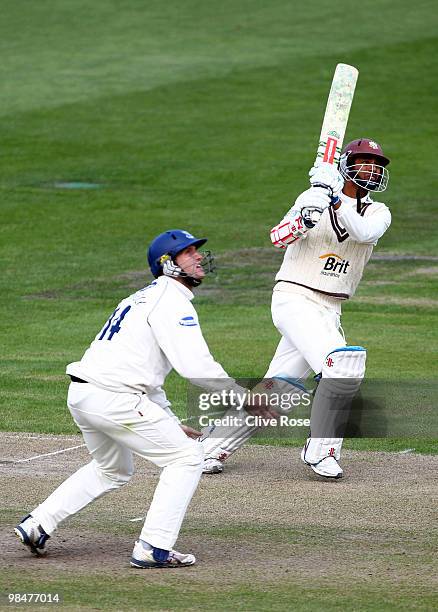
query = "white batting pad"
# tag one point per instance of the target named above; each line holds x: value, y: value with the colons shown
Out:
x: 342, y: 374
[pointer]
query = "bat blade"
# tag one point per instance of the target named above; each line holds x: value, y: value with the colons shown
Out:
x: 334, y: 124
x: 338, y: 107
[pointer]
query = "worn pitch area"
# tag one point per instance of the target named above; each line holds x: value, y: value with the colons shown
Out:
x: 267, y: 518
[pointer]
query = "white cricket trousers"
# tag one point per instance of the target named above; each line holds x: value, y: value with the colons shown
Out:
x: 310, y: 331
x: 114, y: 426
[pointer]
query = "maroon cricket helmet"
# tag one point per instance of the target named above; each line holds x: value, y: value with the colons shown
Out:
x: 365, y: 146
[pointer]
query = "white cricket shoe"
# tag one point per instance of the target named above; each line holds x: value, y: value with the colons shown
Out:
x: 212, y: 466
x: 327, y: 467
x: 143, y: 558
x: 32, y: 535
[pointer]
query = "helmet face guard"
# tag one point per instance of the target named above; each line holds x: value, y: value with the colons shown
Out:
x: 170, y: 268
x: 371, y: 177
x: 165, y: 247
x: 368, y: 176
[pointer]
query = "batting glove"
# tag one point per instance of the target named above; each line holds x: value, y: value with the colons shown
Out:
x: 312, y: 204
x: 291, y: 228
x: 327, y: 175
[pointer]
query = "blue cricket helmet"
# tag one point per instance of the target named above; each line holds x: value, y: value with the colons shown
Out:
x: 170, y: 243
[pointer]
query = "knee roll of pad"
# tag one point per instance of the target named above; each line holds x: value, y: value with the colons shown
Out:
x: 345, y: 362
x: 343, y: 372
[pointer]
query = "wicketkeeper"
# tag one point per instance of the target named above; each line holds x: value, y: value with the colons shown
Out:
x: 328, y: 236
x: 116, y: 399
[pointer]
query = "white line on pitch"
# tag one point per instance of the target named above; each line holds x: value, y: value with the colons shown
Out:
x: 36, y: 437
x: 63, y: 450
x: 136, y: 520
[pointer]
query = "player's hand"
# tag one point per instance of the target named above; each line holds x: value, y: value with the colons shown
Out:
x: 315, y: 197
x: 190, y: 432
x: 313, y: 202
x: 323, y: 173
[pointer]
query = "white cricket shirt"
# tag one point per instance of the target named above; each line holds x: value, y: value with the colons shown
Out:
x: 151, y: 332
x: 329, y: 260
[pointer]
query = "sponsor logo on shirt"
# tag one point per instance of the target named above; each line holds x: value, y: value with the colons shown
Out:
x: 188, y: 321
x: 334, y: 265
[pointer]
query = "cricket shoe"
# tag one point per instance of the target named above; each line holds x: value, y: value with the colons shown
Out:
x: 144, y: 559
x: 32, y: 535
x: 327, y: 467
x: 212, y: 466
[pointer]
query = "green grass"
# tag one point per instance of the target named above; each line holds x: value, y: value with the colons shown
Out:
x: 203, y: 116
x: 100, y: 592
x: 207, y: 119
x: 211, y: 124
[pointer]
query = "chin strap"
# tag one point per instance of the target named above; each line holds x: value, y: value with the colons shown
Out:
x: 192, y: 282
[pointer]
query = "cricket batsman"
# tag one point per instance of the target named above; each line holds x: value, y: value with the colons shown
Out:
x: 328, y: 236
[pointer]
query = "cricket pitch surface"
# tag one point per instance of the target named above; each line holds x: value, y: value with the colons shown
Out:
x: 267, y: 520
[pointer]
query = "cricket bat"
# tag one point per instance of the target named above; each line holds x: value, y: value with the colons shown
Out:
x: 336, y: 114
x: 335, y: 120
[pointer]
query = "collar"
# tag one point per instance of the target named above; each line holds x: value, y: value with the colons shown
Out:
x: 353, y: 202
x: 177, y: 285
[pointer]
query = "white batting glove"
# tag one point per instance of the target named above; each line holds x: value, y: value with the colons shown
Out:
x: 291, y: 228
x: 328, y: 175
x: 315, y: 197
x: 313, y: 203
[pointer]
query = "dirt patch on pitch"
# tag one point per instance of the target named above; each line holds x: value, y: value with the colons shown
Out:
x: 266, y: 517
x: 390, y: 300
x: 424, y: 271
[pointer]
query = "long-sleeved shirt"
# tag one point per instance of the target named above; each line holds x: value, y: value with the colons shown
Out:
x: 329, y: 260
x: 149, y: 333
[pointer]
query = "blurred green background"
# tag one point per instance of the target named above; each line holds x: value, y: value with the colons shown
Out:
x: 204, y: 116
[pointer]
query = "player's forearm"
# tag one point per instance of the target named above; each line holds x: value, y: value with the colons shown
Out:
x: 195, y: 363
x: 304, y: 215
x: 363, y: 229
